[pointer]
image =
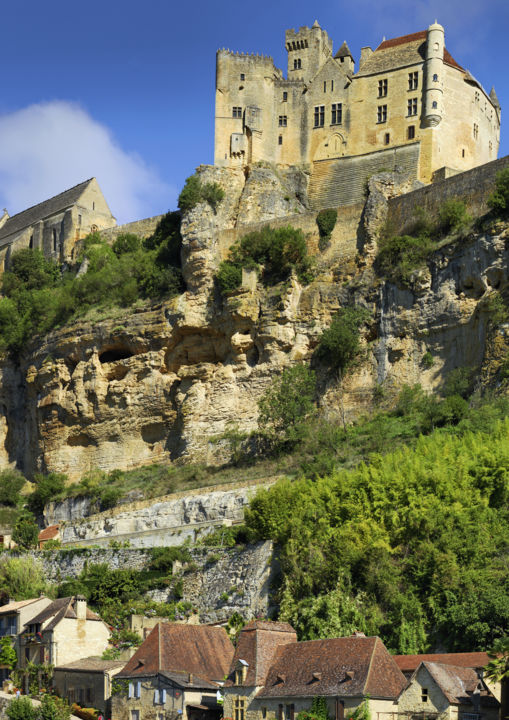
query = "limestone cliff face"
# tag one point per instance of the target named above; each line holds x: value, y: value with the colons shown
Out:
x: 160, y: 383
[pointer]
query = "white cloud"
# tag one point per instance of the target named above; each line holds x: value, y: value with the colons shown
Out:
x: 49, y: 147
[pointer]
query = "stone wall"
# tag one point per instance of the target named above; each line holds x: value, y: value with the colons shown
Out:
x: 472, y: 187
x: 143, y: 228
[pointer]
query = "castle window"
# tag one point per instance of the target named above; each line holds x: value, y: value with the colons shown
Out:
x: 31, y: 244
x: 381, y: 114
x: 285, y: 96
x: 413, y: 80
x: 411, y: 132
x: 412, y: 106
x: 242, y: 77
x: 332, y: 85
x: 283, y: 121
x: 237, y: 112
x: 79, y: 219
x: 297, y: 64
x: 434, y: 105
x: 239, y: 708
x: 382, y: 88
x: 476, y: 131
x: 477, y: 96
x: 435, y: 78
x: 280, y: 140
x: 319, y: 115
x: 387, y: 138
x: 54, y: 240
x: 325, y: 85
x: 93, y: 206
x: 424, y: 695
x: 490, y: 146
x: 337, y: 113
x: 463, y: 153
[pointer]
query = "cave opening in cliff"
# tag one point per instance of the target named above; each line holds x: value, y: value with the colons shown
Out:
x: 114, y: 355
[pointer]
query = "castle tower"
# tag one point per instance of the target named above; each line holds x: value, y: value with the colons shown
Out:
x: 345, y: 57
x: 307, y: 50
x: 433, y: 76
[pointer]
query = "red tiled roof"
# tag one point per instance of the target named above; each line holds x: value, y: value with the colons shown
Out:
x: 198, y: 649
x: 49, y: 533
x: 402, y: 40
x: 409, y: 663
x: 350, y: 666
x: 256, y: 646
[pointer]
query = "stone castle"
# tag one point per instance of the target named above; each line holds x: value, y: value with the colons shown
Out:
x: 408, y: 105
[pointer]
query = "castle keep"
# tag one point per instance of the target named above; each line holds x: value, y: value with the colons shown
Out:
x: 408, y: 105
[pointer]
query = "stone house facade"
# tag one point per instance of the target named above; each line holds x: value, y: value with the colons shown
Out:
x: 87, y: 682
x: 409, y: 98
x: 13, y: 618
x: 176, y: 671
x: 56, y: 225
x: 65, y: 631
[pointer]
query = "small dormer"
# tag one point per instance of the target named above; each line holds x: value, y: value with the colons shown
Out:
x: 241, y: 667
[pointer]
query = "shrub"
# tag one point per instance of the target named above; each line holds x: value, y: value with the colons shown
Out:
x: 400, y: 255
x: 11, y: 482
x: 326, y: 221
x: 8, y: 655
x: 498, y: 201
x: 126, y: 243
x: 339, y: 344
x: 229, y: 276
x: 21, y: 578
x: 47, y: 488
x: 21, y: 709
x: 427, y: 360
x: 453, y: 216
x: 194, y: 192
x: 54, y: 708
x: 26, y: 532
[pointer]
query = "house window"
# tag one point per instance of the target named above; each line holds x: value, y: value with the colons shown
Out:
x: 135, y: 715
x: 90, y: 697
x: 411, y: 132
x: 476, y: 131
x: 264, y: 712
x: 54, y: 250
x: 242, y: 76
x: 239, y: 708
x: 289, y: 712
x: 283, y: 121
x: 135, y: 689
x: 237, y: 111
x: 413, y: 80
x: 238, y: 677
x: 424, y: 695
x: 31, y: 243
x: 280, y: 140
x: 297, y: 64
x: 382, y: 88
x: 412, y: 106
x: 387, y: 138
x: 381, y: 114
x: 435, y: 77
x: 337, y: 113
x: 319, y: 115
x: 285, y: 96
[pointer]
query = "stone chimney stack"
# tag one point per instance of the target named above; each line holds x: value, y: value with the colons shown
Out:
x: 80, y: 607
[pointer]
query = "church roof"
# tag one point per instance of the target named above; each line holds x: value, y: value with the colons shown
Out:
x: 42, y: 210
x: 344, y: 51
x: 398, y: 52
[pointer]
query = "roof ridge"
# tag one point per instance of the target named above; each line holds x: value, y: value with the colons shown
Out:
x: 53, y: 197
x: 366, y: 682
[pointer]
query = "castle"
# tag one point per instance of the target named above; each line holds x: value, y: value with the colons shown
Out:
x: 409, y: 105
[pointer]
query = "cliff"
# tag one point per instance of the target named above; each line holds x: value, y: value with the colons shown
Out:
x: 160, y: 382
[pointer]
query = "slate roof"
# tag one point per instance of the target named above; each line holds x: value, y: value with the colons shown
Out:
x: 349, y: 666
x: 256, y: 646
x: 59, y: 609
x: 409, y: 663
x: 32, y: 215
x: 15, y: 606
x: 92, y: 664
x: 202, y: 650
x: 399, y: 52
x: 344, y: 51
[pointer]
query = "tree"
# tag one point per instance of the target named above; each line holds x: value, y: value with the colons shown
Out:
x: 21, y: 709
x: 47, y: 488
x: 26, y: 532
x: 498, y: 670
x: 339, y: 344
x: 11, y: 482
x: 22, y: 578
x: 7, y: 653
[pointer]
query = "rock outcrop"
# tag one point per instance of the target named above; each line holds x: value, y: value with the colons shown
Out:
x: 161, y: 382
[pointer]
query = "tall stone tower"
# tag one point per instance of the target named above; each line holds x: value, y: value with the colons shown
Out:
x: 307, y: 50
x: 433, y: 75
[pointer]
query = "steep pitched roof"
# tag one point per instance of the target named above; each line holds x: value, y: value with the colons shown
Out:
x: 399, y: 52
x: 59, y: 609
x: 256, y: 646
x: 31, y: 215
x: 344, y: 51
x: 202, y: 650
x: 15, y: 606
x: 409, y: 663
x: 350, y: 666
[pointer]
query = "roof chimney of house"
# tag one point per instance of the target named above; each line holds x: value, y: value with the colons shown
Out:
x: 80, y: 607
x: 358, y: 633
x: 190, y: 679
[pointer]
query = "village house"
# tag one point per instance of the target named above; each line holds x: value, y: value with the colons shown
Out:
x: 64, y: 631
x: 87, y: 682
x: 13, y: 617
x: 56, y: 225
x: 52, y: 532
x: 176, y: 671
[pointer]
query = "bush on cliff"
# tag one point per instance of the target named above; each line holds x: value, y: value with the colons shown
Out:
x: 339, y: 344
x: 194, y: 192
x: 498, y: 201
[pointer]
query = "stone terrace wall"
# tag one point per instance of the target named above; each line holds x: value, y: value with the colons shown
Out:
x: 143, y: 228
x: 472, y: 187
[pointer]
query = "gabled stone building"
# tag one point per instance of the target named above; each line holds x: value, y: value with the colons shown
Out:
x: 408, y: 105
x: 55, y: 225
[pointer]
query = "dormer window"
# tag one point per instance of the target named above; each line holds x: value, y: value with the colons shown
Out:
x: 317, y: 676
x: 238, y: 677
x: 281, y: 678
x: 241, y: 672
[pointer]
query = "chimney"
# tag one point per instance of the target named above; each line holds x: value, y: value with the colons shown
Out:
x: 366, y: 52
x: 190, y: 679
x: 80, y: 607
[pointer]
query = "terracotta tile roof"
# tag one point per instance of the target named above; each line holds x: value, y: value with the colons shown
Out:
x: 350, y: 666
x: 92, y: 664
x: 455, y: 682
x: 15, y: 606
x: 42, y: 210
x: 201, y: 650
x: 256, y: 646
x: 402, y: 40
x: 409, y: 663
x: 49, y: 533
x: 63, y: 607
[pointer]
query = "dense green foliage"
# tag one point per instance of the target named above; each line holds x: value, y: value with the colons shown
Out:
x: 21, y: 578
x: 498, y: 201
x: 317, y: 711
x: 273, y: 252
x: 11, y: 482
x: 194, y: 192
x: 21, y: 708
x: 412, y: 546
x: 26, y: 531
x: 54, y: 708
x: 453, y: 216
x: 39, y: 295
x: 326, y: 221
x: 339, y: 344
x: 8, y: 655
x: 47, y: 487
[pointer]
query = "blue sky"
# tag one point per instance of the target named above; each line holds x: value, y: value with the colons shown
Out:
x: 125, y: 91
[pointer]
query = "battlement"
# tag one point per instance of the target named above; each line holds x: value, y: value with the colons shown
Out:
x: 245, y: 56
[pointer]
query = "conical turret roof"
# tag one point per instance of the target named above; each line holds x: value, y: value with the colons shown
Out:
x: 316, y: 24
x: 344, y: 51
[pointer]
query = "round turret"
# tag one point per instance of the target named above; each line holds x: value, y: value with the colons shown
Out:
x: 433, y: 75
